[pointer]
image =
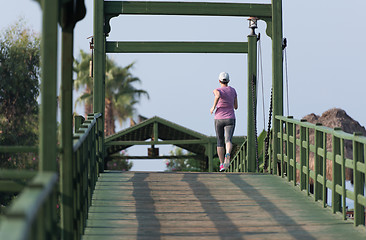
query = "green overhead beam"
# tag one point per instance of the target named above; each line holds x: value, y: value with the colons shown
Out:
x: 187, y: 8
x: 176, y: 47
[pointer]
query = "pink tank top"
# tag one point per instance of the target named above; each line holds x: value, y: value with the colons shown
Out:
x: 225, y: 106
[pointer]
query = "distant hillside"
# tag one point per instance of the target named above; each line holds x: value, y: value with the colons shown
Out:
x: 337, y: 117
x: 332, y: 118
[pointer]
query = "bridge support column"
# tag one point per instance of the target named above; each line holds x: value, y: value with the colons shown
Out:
x: 48, y: 109
x: 48, y: 122
x: 277, y: 75
x: 99, y: 74
x: 66, y: 181
x: 252, y: 101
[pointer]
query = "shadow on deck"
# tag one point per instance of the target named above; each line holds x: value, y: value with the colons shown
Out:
x: 144, y: 205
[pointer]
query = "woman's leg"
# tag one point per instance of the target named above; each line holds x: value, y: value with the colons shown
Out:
x: 219, y: 127
x: 221, y: 153
x: 229, y: 132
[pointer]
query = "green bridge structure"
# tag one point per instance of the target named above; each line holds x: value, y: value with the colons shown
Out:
x: 300, y: 194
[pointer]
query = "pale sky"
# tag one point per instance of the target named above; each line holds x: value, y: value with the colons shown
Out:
x: 326, y: 61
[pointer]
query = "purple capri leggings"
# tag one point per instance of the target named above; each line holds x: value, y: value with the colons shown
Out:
x: 224, y: 131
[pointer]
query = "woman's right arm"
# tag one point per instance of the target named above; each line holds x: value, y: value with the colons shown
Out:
x: 236, y: 103
x: 216, y: 100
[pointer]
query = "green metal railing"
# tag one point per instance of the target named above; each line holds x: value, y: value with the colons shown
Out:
x: 86, y: 165
x: 310, y: 163
x: 239, y: 163
x: 33, y: 214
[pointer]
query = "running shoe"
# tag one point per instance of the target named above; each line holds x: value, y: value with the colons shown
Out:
x: 222, y: 167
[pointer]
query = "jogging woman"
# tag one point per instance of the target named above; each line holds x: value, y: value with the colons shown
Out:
x: 225, y: 102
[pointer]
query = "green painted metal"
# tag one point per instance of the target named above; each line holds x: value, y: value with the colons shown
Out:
x: 264, y: 11
x: 18, y: 149
x: 176, y: 47
x: 320, y: 154
x: 158, y: 131
x: 78, y: 121
x: 66, y: 182
x: 48, y: 121
x: 99, y: 73
x: 14, y: 181
x: 84, y: 171
x: 23, y: 219
x: 304, y: 153
x: 252, y: 101
x: 187, y: 8
x: 277, y: 70
x: 239, y: 163
x: 359, y: 152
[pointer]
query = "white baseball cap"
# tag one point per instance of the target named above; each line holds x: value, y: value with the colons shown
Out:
x: 224, y: 77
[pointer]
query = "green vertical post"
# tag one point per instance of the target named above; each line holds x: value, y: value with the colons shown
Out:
x: 48, y: 127
x: 318, y: 164
x: 324, y: 169
x: 48, y: 109
x: 252, y: 100
x: 289, y: 150
x: 66, y: 183
x: 99, y: 73
x: 302, y: 156
x: 210, y: 154
x: 336, y: 173
x: 277, y: 72
x: 358, y: 181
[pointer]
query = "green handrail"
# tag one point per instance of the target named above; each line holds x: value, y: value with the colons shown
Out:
x: 87, y: 164
x: 313, y: 162
x: 239, y: 163
x: 32, y: 214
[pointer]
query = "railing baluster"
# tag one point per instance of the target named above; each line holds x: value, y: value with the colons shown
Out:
x: 343, y: 179
x: 318, y: 141
x: 324, y: 172
x: 302, y: 156
x: 307, y: 158
x: 281, y: 148
x: 336, y: 174
x: 358, y: 181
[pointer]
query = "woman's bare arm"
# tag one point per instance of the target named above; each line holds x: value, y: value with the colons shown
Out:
x: 216, y: 100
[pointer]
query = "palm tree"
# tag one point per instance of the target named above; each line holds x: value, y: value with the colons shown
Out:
x: 84, y: 80
x: 120, y: 94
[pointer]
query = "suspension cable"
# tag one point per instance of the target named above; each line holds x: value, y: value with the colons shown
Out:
x: 268, y: 137
x: 255, y: 121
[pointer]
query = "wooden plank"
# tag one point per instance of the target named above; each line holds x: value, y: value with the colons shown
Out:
x: 148, y: 205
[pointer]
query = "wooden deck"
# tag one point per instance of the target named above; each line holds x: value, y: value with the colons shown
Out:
x: 143, y: 205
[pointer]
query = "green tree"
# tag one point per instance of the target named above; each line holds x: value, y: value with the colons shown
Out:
x: 19, y: 90
x: 120, y: 94
x: 19, y: 87
x: 84, y: 80
x: 182, y: 164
